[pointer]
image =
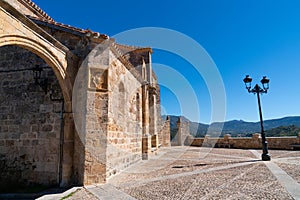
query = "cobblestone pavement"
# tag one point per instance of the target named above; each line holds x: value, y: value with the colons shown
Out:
x: 202, y: 173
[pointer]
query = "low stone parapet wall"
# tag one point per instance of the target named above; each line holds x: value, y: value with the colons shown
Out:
x: 253, y: 142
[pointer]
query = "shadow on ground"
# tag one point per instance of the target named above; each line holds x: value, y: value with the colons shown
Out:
x: 205, y: 164
x: 29, y: 192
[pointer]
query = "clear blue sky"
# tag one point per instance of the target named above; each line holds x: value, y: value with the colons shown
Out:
x: 257, y: 37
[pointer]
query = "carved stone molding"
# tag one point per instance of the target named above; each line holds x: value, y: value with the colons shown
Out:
x: 98, y: 79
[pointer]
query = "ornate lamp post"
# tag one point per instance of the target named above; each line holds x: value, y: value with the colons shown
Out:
x: 258, y: 90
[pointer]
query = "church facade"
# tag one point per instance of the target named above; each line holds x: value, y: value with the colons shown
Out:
x: 75, y: 106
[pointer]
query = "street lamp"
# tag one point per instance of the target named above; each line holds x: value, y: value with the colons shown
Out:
x: 257, y: 90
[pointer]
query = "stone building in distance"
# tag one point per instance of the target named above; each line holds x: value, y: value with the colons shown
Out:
x: 75, y: 106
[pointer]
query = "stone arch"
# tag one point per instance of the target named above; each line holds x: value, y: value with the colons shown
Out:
x: 121, y: 100
x: 57, y: 59
x: 17, y: 29
x: 138, y: 107
x: 48, y: 56
x: 30, y: 120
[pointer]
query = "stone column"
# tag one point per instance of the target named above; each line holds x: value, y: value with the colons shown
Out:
x: 153, y: 118
x: 166, y: 133
x: 183, y: 131
x: 146, y: 146
x: 68, y: 150
x: 146, y: 140
x: 153, y: 114
x: 179, y: 132
x: 145, y: 110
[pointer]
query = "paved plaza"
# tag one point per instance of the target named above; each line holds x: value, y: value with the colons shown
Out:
x: 203, y: 173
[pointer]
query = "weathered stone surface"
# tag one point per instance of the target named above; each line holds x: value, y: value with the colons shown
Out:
x: 183, y: 132
x: 27, y: 116
x: 164, y: 133
x: 246, y: 143
x: 117, y: 103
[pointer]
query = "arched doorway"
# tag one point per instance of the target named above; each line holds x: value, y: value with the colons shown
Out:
x: 31, y: 120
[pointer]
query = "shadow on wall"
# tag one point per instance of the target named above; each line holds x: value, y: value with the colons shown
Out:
x: 30, y: 122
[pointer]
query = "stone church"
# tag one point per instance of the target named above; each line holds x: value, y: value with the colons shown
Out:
x: 75, y: 106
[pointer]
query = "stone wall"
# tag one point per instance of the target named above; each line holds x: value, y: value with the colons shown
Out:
x: 76, y: 43
x: 90, y: 108
x: 30, y: 123
x: 108, y: 115
x: 183, y: 132
x: 124, y: 146
x: 164, y: 133
x: 246, y: 143
x: 114, y: 107
x: 27, y: 10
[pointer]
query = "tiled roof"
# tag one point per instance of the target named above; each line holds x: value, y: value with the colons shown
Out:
x: 66, y: 27
x: 42, y: 18
x: 35, y: 9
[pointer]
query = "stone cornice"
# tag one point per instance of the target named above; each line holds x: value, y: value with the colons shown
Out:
x: 128, y: 48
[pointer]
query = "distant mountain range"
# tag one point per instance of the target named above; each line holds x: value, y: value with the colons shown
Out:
x: 236, y: 127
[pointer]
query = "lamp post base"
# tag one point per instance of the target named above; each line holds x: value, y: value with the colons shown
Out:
x: 265, y: 157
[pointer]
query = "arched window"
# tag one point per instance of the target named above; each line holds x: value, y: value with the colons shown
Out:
x: 138, y: 109
x: 121, y: 101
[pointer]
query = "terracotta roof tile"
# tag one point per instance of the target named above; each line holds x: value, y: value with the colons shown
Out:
x: 43, y: 17
x: 68, y: 27
x: 35, y: 9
